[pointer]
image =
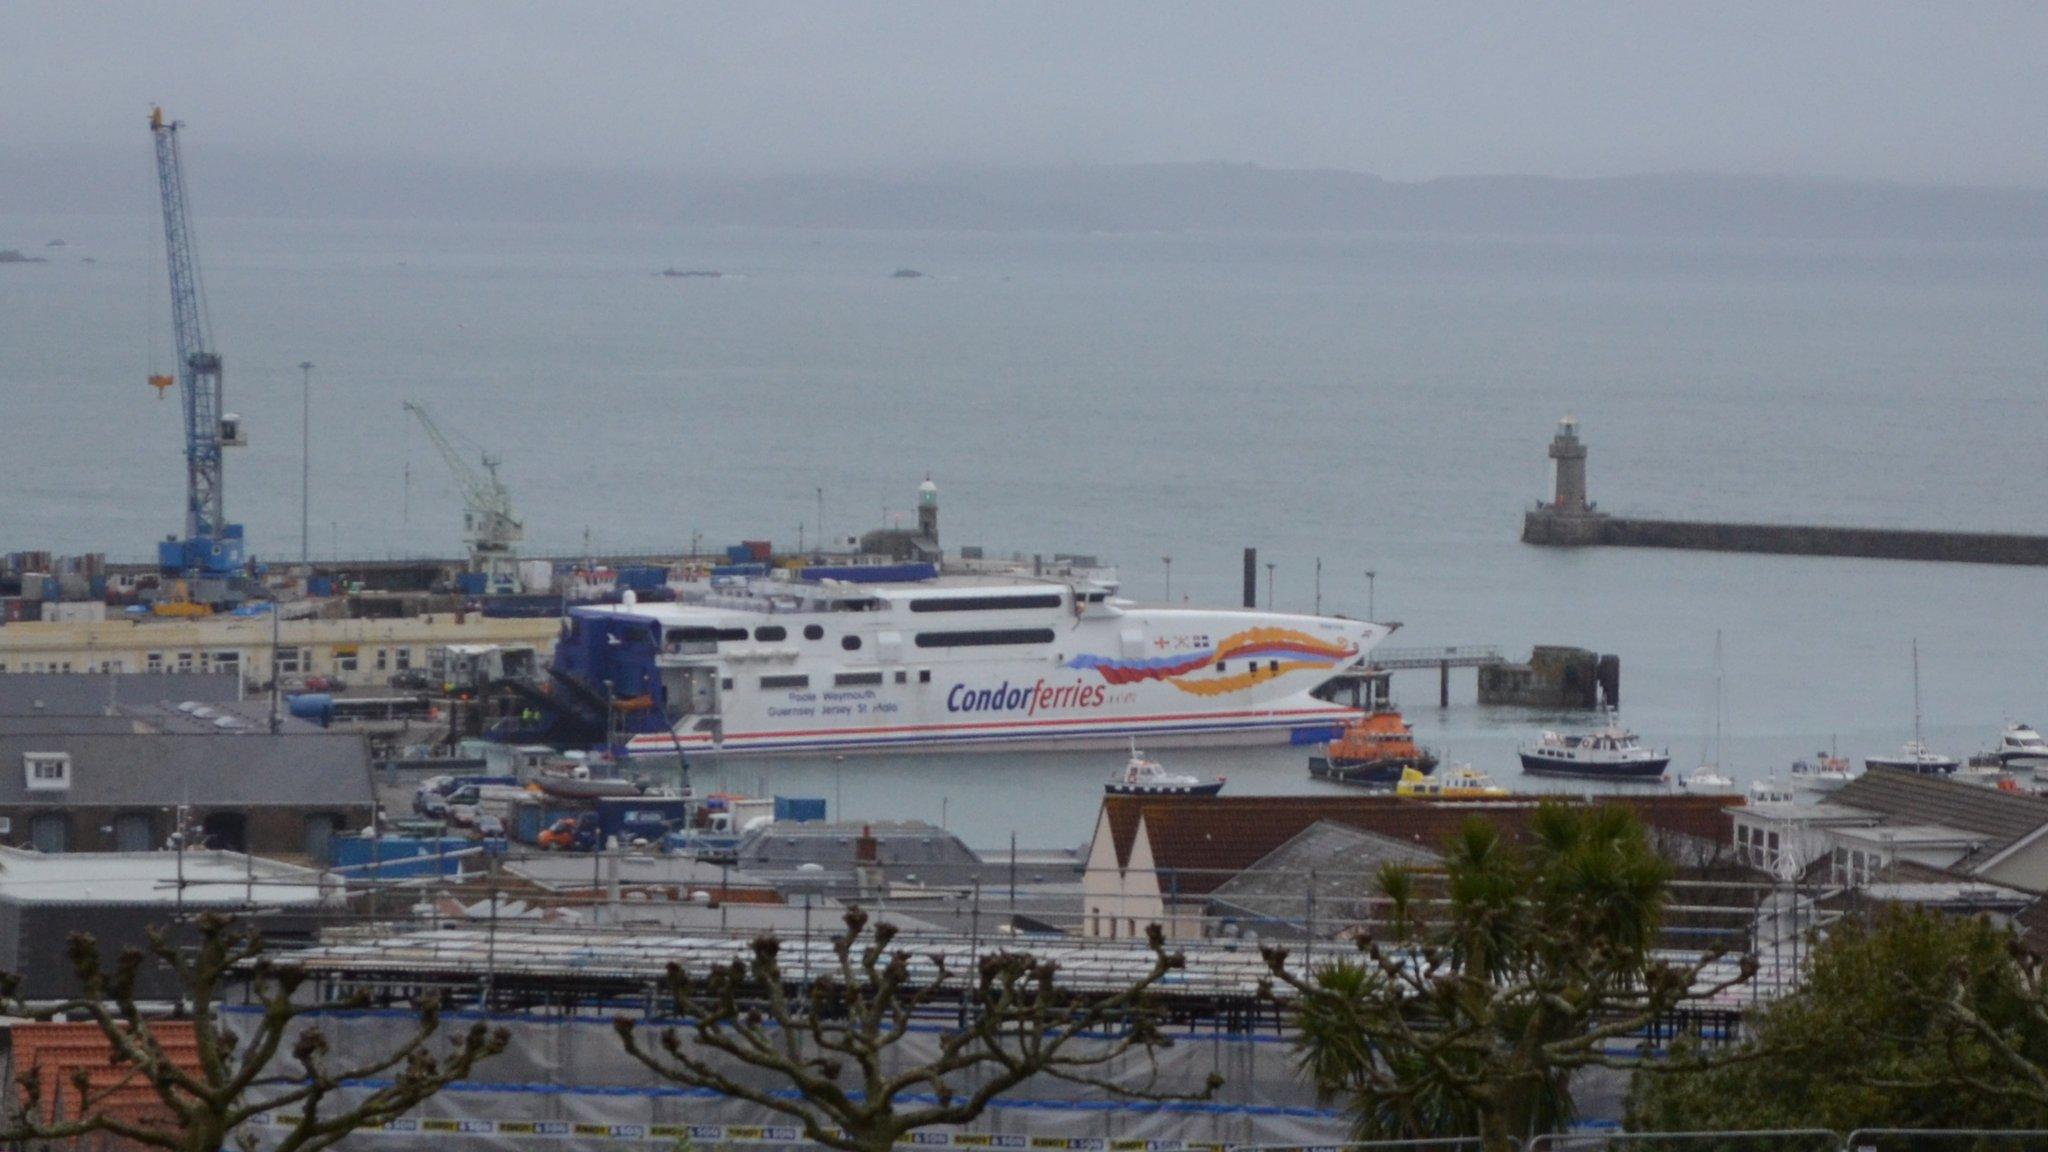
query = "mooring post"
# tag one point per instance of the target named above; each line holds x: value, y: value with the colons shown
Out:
x: 1443, y: 683
x: 1251, y: 577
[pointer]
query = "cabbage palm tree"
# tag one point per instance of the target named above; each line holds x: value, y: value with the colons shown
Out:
x: 1473, y: 1013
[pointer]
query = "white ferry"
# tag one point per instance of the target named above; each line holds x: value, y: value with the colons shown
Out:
x: 895, y: 658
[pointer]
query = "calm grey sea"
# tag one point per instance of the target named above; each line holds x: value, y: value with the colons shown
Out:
x: 1378, y: 403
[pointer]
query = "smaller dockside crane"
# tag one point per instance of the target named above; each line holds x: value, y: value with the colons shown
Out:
x: 488, y: 526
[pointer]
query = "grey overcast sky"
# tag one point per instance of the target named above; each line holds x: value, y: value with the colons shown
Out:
x: 1919, y: 92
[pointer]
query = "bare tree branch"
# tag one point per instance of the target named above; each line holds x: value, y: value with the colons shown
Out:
x: 836, y: 1040
x: 236, y: 1079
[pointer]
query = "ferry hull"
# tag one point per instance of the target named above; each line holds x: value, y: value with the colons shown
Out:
x: 1293, y: 726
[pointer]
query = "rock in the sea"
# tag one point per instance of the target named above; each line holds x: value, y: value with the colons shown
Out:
x: 686, y: 273
x: 10, y: 256
x: 906, y: 274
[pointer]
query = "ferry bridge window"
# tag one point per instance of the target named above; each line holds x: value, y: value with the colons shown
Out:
x: 771, y: 682
x: 813, y: 632
x: 769, y: 633
x: 985, y: 639
x: 902, y: 677
x: 851, y: 679
x: 732, y: 633
x: 987, y: 603
x: 924, y: 675
x: 850, y: 643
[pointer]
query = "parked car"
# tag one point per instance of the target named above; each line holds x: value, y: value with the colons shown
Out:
x: 412, y: 680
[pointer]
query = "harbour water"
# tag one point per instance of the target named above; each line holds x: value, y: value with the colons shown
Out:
x: 1379, y: 403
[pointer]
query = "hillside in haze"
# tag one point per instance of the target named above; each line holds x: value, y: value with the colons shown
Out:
x: 1173, y: 197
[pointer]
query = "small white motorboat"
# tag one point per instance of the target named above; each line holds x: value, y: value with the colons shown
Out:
x: 1143, y: 777
x: 1824, y: 773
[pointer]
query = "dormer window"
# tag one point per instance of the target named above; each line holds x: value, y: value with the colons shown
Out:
x: 46, y: 771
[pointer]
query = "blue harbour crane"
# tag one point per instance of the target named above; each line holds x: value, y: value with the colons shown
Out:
x: 211, y: 546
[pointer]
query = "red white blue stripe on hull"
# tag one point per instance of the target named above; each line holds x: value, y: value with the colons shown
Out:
x: 1186, y: 730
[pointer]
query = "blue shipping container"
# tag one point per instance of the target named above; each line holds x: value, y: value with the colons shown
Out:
x: 397, y: 856
x: 799, y: 809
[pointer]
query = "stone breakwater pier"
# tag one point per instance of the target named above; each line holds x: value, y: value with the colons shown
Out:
x: 1569, y: 520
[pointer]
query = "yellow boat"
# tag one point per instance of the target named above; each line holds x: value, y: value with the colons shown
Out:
x: 1457, y: 782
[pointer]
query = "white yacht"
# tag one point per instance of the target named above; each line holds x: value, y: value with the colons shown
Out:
x: 857, y: 658
x: 1914, y: 755
x: 2019, y: 746
x: 1610, y: 752
x: 1706, y: 778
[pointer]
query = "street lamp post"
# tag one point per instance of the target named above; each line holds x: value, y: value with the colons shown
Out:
x: 1269, y: 585
x: 1319, y: 585
x: 1369, y: 575
x: 305, y: 458
x: 1168, y: 561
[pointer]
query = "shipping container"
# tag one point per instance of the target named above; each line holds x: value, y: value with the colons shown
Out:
x: 799, y: 809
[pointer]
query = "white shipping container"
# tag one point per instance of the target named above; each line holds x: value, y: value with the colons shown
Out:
x: 73, y: 611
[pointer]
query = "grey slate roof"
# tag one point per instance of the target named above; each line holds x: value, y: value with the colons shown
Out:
x: 91, y: 693
x: 1339, y: 863
x: 247, y: 770
x: 2001, y: 818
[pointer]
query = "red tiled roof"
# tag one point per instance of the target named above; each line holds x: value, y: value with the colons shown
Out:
x: 60, y: 1049
x: 1198, y: 843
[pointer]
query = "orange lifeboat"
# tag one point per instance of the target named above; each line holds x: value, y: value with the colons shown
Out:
x: 1376, y: 749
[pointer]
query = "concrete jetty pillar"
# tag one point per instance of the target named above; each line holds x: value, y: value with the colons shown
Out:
x: 1251, y: 577
x: 1443, y: 684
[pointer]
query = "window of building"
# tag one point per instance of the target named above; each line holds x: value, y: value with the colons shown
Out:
x: 184, y: 661
x: 770, y: 633
x: 344, y: 659
x: 154, y: 662
x: 854, y: 679
x: 985, y: 638
x: 383, y: 660
x: 288, y: 660
x: 401, y: 658
x: 779, y: 682
x: 852, y: 643
x: 46, y: 771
